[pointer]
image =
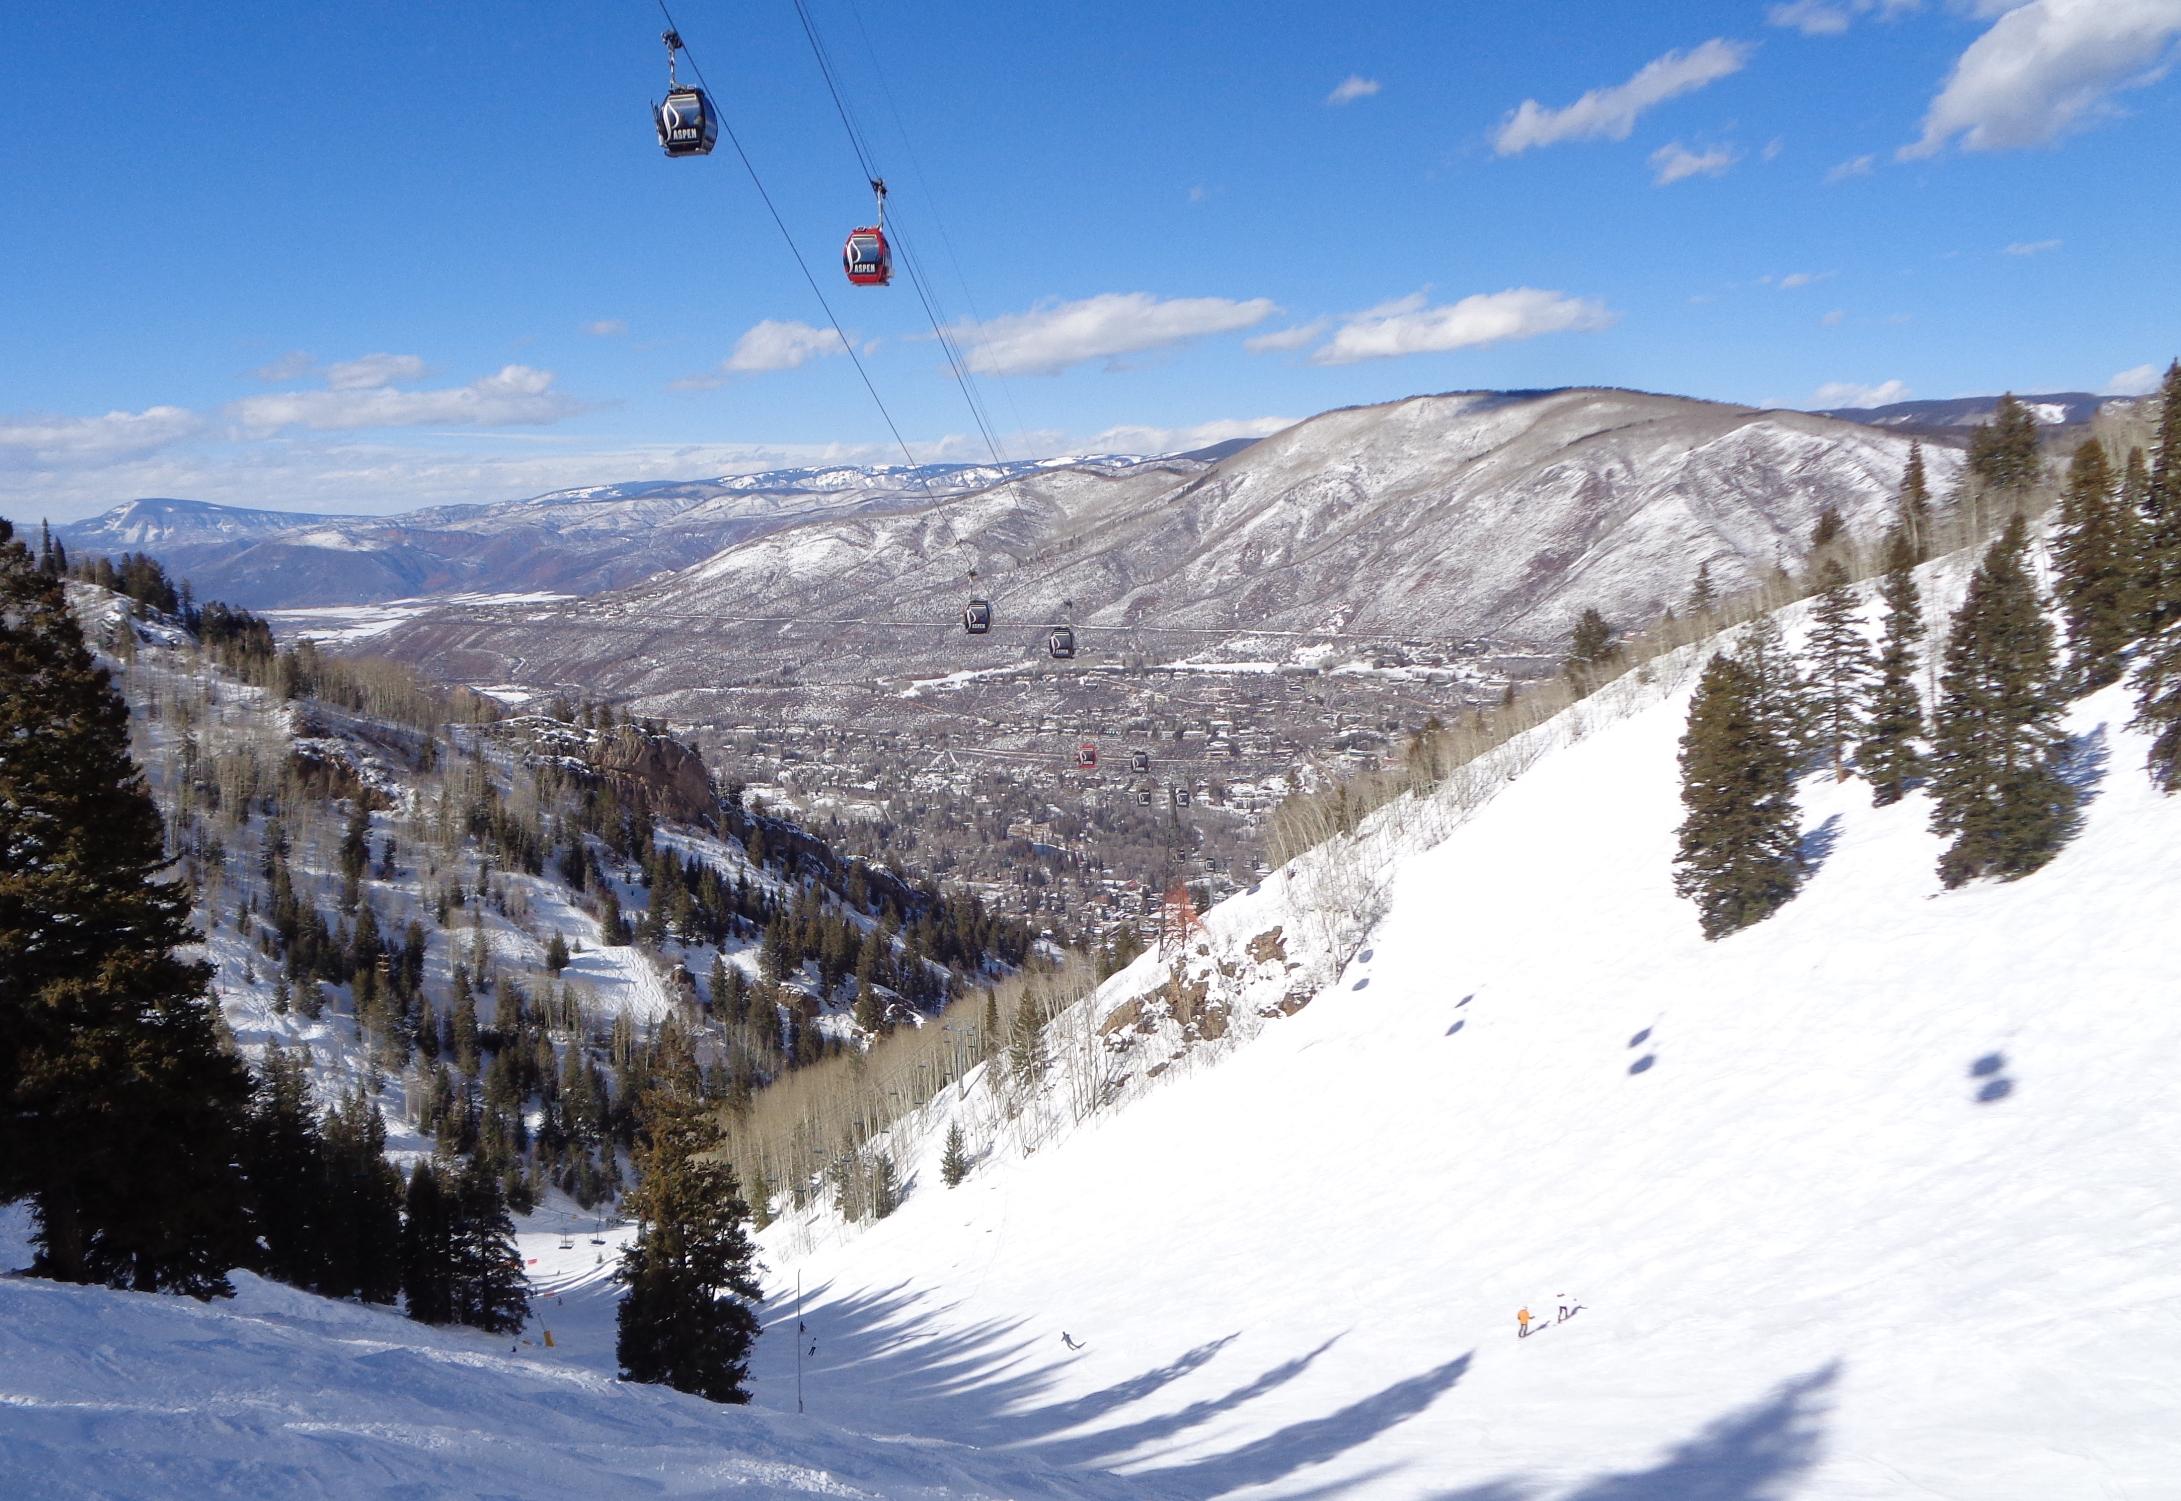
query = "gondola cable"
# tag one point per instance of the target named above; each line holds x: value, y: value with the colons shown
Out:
x: 847, y: 344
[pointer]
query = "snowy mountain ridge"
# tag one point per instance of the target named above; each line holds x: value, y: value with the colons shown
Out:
x: 1438, y: 518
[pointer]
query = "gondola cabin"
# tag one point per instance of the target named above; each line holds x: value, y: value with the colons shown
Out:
x: 868, y: 259
x: 1139, y: 762
x: 687, y: 123
x: 1181, y: 797
x: 1061, y: 643
x: 977, y: 617
x: 1086, y: 757
x: 1144, y: 797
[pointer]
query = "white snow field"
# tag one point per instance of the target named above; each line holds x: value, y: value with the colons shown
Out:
x: 1878, y: 1199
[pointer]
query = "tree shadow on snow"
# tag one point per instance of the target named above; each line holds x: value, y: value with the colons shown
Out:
x: 2084, y: 760
x: 1817, y: 846
x: 993, y: 1384
x: 1313, y: 1441
x: 1758, y: 1453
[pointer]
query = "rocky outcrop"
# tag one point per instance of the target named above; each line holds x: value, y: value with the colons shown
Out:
x: 654, y: 772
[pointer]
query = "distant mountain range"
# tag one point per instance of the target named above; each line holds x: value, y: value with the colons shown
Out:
x: 1437, y: 518
x: 579, y: 541
x: 1949, y: 418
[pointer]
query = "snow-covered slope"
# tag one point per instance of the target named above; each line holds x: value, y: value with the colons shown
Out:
x: 278, y: 1394
x: 1876, y: 1199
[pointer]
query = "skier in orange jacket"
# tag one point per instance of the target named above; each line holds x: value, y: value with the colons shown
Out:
x: 1522, y: 1323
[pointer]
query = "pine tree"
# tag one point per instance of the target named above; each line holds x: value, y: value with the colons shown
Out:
x: 1840, y: 668
x: 1702, y: 598
x: 121, y: 1115
x: 1829, y: 528
x: 556, y: 953
x: 1591, y: 642
x: 2095, y: 555
x: 427, y: 1248
x: 1996, y: 734
x: 1737, y: 855
x: 1889, y: 755
x: 485, y: 1281
x: 284, y: 1159
x: 2157, y: 678
x: 2003, y: 455
x: 1915, y: 503
x: 2158, y: 706
x: 689, y: 1319
x: 954, y: 1159
x: 362, y: 1209
x: 1782, y: 694
x: 2161, y: 543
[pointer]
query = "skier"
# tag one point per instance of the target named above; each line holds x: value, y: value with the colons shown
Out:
x: 1070, y: 1343
x: 1522, y: 1324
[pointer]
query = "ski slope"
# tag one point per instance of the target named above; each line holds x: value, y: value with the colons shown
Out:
x: 1876, y: 1199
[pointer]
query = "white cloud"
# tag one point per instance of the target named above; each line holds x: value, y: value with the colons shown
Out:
x: 606, y: 328
x: 781, y: 344
x: 2045, y: 68
x: 1279, y: 341
x: 1835, y: 318
x: 1855, y: 166
x: 2141, y: 381
x: 70, y: 441
x: 1055, y: 335
x: 293, y: 365
x: 1133, y: 438
x: 371, y: 371
x: 1673, y: 162
x: 1773, y: 148
x: 516, y: 395
x: 1355, y: 86
x: 1199, y: 193
x: 1611, y: 112
x: 1409, y: 326
x: 2032, y: 247
x: 1833, y: 17
x: 1810, y: 17
x: 1846, y: 393
x: 1796, y: 280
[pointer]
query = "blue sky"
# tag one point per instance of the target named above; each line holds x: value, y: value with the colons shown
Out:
x: 395, y: 253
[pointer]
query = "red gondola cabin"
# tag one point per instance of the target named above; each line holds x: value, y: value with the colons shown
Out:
x: 1086, y: 757
x: 867, y: 257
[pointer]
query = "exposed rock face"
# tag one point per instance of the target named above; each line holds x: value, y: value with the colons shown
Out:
x: 654, y: 772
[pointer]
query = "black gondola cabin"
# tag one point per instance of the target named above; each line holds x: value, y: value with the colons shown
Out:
x: 977, y: 616
x: 1061, y: 643
x: 687, y: 123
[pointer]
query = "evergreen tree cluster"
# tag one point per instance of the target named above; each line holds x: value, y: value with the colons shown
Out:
x: 1992, y: 750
